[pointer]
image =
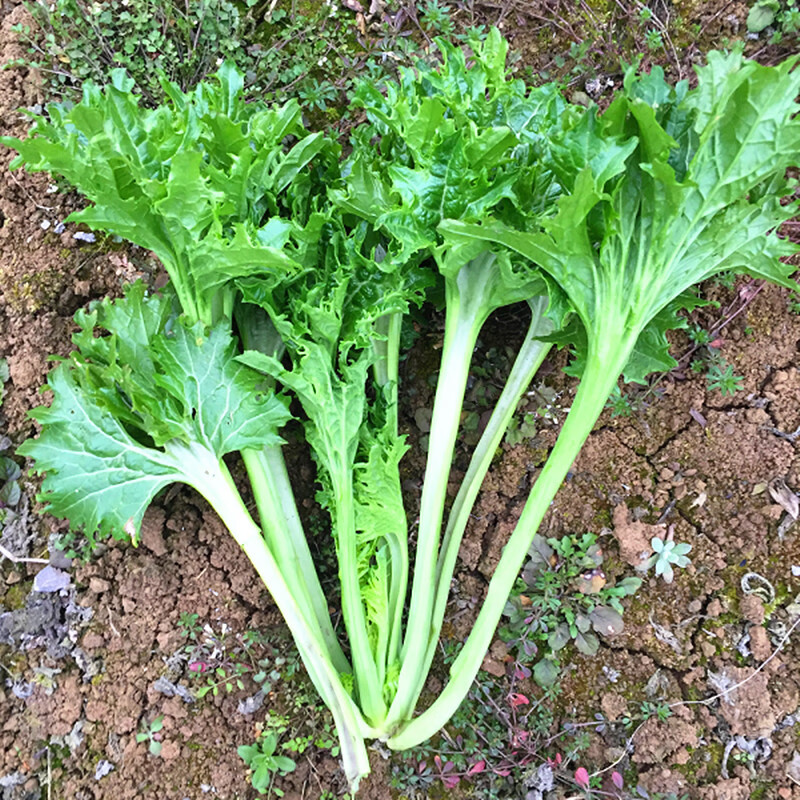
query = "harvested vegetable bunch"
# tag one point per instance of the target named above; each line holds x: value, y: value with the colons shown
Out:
x: 291, y: 273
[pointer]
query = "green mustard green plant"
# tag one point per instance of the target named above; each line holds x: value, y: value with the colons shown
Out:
x: 290, y: 275
x: 668, y: 187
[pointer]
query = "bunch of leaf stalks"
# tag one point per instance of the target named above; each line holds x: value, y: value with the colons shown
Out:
x: 292, y: 269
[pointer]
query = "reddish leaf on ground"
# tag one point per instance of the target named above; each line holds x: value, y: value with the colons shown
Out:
x: 582, y: 777
x: 516, y: 699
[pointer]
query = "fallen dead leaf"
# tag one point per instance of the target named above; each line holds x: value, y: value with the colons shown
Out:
x: 699, y: 501
x: 666, y: 636
x: 784, y: 497
x: 698, y: 417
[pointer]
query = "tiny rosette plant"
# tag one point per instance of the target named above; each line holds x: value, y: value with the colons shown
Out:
x: 667, y: 554
x: 264, y: 763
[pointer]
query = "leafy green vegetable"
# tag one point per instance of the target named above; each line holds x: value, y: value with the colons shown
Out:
x: 219, y: 190
x: 203, y: 181
x: 291, y: 274
x: 454, y: 142
x: 140, y: 409
x: 666, y: 189
x: 329, y: 320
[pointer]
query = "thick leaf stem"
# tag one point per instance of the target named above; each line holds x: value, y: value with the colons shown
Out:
x: 386, y: 372
x: 398, y: 565
x: 281, y: 524
x: 217, y: 486
x: 466, y: 313
x: 528, y: 360
x: 387, y: 351
x: 598, y: 381
x: 370, y: 688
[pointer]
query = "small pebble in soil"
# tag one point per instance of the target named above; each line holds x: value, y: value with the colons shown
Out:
x: 752, y: 609
x: 714, y: 608
x: 50, y: 579
x: 98, y: 585
x: 84, y: 236
x: 102, y: 769
x: 759, y: 643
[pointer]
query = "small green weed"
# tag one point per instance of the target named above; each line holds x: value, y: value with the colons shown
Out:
x: 667, y: 554
x: 521, y: 429
x: 307, y: 723
x: 660, y: 711
x: 700, y: 336
x: 722, y: 378
x: 781, y: 16
x: 623, y: 404
x: 264, y: 764
x: 489, y: 744
x: 436, y: 19
x: 220, y: 661
x: 719, y: 373
x: 562, y: 597
x: 72, y: 41
x: 151, y: 734
x: 537, y: 409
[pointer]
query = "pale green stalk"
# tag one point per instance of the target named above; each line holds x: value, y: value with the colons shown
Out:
x: 531, y: 354
x: 599, y: 379
x: 283, y: 529
x: 467, y: 310
x: 368, y: 685
x: 218, y: 488
x: 387, y: 376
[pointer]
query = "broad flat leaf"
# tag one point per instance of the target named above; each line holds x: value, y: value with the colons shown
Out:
x: 10, y: 493
x: 9, y: 469
x: 587, y: 643
x: 762, y: 15
x: 194, y: 180
x: 559, y: 638
x: 627, y: 243
x: 546, y: 672
x: 606, y: 621
x: 455, y: 142
x: 221, y: 401
x: 189, y: 405
x: 96, y: 475
x: 284, y: 763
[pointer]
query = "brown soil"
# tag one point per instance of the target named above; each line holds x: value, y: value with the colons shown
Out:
x: 109, y: 650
